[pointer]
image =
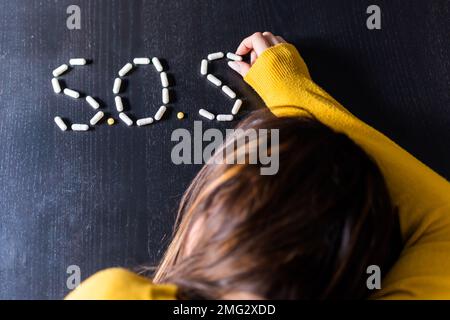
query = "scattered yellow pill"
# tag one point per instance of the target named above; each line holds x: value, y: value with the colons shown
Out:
x: 180, y: 115
x: 111, y: 121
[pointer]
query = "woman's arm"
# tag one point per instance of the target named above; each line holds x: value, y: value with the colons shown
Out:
x: 279, y: 75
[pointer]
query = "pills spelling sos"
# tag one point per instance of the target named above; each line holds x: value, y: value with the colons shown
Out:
x: 164, y: 79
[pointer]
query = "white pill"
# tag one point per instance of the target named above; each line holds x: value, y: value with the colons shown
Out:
x: 117, y: 85
x: 236, y: 107
x: 144, y: 122
x: 56, y: 85
x: 214, y: 80
x: 224, y: 117
x: 95, y: 119
x: 71, y: 93
x: 164, y: 79
x: 165, y: 96
x: 79, y: 127
x: 206, y: 114
x: 141, y: 61
x: 119, y: 103
x: 60, y: 123
x: 204, y: 67
x: 77, y: 62
x: 160, y: 113
x: 157, y: 64
x: 60, y: 70
x: 229, y: 92
x: 92, y: 102
x: 234, y: 57
x: 215, y: 56
x: 125, y: 119
x: 125, y: 69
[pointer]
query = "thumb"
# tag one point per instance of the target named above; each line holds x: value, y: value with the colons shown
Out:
x: 240, y: 67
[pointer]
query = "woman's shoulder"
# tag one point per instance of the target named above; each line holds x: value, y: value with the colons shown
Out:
x: 121, y: 284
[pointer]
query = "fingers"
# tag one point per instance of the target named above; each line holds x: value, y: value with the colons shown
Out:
x: 274, y: 40
x: 240, y: 67
x: 280, y: 39
x: 256, y: 42
x: 271, y: 38
x: 254, y: 45
x: 253, y: 57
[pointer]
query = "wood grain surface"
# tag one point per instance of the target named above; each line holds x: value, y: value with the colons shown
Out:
x: 108, y: 197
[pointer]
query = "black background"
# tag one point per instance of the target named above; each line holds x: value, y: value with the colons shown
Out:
x: 108, y: 197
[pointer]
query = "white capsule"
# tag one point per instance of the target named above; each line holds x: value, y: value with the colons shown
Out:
x: 60, y: 123
x: 165, y: 96
x: 141, y: 61
x: 157, y: 64
x: 234, y: 57
x: 117, y: 85
x: 224, y: 117
x: 214, y: 80
x: 144, y: 122
x: 125, y: 69
x: 236, y: 107
x: 79, y: 127
x: 77, y: 62
x: 215, y: 56
x: 125, y: 119
x: 95, y: 119
x: 229, y: 92
x: 56, y: 85
x: 204, y: 67
x: 71, y: 93
x: 164, y: 79
x: 119, y: 103
x: 206, y: 114
x: 92, y: 102
x: 160, y: 113
x: 60, y: 70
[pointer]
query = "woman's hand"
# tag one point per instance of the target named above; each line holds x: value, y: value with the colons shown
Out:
x: 256, y: 44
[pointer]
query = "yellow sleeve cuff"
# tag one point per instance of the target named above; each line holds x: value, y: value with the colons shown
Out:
x: 274, y: 68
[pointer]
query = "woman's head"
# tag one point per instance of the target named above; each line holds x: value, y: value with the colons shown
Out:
x: 309, y: 231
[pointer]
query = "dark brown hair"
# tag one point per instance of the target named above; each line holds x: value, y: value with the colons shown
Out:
x: 308, y: 232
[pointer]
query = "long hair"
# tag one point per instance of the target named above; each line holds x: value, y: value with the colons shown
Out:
x: 308, y: 232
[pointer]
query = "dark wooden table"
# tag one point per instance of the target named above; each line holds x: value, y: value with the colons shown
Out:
x: 108, y: 197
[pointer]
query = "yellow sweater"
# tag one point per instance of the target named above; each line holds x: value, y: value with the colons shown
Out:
x: 281, y: 78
